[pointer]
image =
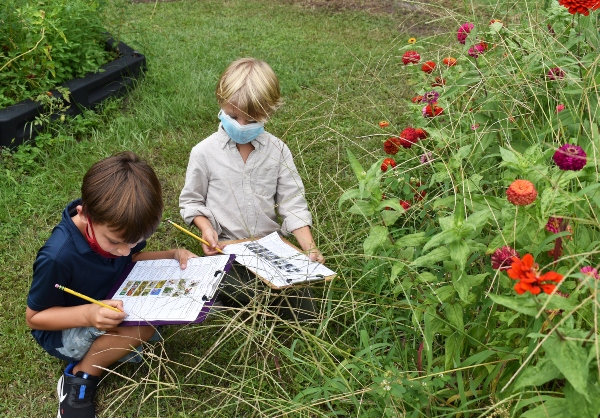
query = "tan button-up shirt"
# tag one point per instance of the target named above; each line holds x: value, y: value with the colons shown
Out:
x: 242, y: 200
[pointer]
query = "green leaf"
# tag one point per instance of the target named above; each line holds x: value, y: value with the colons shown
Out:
x: 478, y: 219
x: 362, y: 208
x: 443, y: 237
x: 359, y: 171
x: 377, y: 237
x: 348, y: 194
x: 445, y: 202
x: 411, y: 240
x: 571, y: 359
x: 452, y: 347
x: 463, y: 283
x: 537, y: 375
x: 390, y: 217
x: 444, y: 293
x: 508, y: 156
x: 435, y: 256
x: 523, y: 304
x: 552, y: 408
x: 454, y: 315
x: 459, y: 253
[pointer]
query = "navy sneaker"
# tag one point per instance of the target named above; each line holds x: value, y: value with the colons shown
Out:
x: 76, y: 394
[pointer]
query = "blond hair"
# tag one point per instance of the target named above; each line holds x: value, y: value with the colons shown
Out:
x: 251, y: 86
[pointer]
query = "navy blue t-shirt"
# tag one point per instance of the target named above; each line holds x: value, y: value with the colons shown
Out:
x: 68, y: 260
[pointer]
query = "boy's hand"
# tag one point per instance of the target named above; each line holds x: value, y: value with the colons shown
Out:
x: 212, y: 237
x: 315, y: 255
x: 103, y: 318
x: 182, y: 255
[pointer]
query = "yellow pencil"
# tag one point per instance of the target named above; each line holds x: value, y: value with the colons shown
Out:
x: 89, y: 299
x: 193, y: 235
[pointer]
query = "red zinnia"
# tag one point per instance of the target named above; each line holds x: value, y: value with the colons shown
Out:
x: 421, y: 133
x: 384, y: 124
x: 391, y: 145
x: 580, y: 6
x: 553, y: 225
x: 405, y: 204
x: 430, y: 111
x: 411, y: 57
x: 388, y: 162
x: 417, y: 99
x: 526, y: 272
x: 449, y: 61
x: 408, y: 137
x: 428, y: 67
x: 439, y: 82
x: 521, y: 193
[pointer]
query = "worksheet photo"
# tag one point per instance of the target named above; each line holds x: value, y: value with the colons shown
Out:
x: 277, y: 262
x: 158, y: 290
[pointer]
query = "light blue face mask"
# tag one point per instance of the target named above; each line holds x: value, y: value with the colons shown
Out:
x: 240, y: 134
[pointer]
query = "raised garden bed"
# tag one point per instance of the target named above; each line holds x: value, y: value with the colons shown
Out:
x: 115, y: 79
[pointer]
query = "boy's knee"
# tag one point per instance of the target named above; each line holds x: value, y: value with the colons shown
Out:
x: 146, y: 333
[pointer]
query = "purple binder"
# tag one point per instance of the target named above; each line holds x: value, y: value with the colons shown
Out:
x: 130, y: 323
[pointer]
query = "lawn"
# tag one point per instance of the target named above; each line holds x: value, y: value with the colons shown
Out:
x: 326, y: 61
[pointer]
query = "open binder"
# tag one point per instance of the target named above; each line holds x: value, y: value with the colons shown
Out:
x: 277, y: 262
x: 158, y: 292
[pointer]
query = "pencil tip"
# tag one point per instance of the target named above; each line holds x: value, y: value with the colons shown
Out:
x: 56, y: 285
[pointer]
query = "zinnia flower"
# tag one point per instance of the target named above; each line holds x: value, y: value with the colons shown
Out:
x: 384, y: 124
x: 553, y: 225
x: 428, y: 67
x: 521, y: 193
x: 476, y: 50
x: 449, y: 61
x: 474, y: 126
x: 405, y: 204
x: 431, y: 97
x: 556, y: 74
x: 411, y: 57
x: 590, y: 271
x: 432, y: 110
x: 526, y: 272
x: 570, y: 157
x: 417, y: 99
x: 388, y: 162
x: 463, y: 31
x: 502, y: 257
x: 494, y: 21
x: 439, y: 82
x: 560, y: 108
x: 580, y: 6
x: 391, y: 145
x: 426, y: 157
x: 408, y: 137
x: 421, y: 133
x: 412, y: 40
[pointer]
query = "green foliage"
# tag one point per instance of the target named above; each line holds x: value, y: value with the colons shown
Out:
x: 532, y: 88
x: 45, y: 43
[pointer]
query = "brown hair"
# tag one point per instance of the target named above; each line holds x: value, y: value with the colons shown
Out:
x: 123, y: 193
x: 251, y: 86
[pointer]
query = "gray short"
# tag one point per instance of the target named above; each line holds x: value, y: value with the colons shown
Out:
x: 77, y: 341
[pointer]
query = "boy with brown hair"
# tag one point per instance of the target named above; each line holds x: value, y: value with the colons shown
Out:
x: 120, y: 208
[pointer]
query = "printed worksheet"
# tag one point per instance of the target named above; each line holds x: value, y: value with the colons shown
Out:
x: 158, y: 290
x: 277, y: 262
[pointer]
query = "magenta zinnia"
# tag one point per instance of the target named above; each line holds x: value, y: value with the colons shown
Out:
x: 570, y: 157
x: 553, y: 225
x: 463, y: 31
x: 502, y: 257
x: 590, y: 271
x: 556, y: 74
x: 431, y: 97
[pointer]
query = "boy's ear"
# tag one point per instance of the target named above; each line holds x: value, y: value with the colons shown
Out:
x: 81, y: 215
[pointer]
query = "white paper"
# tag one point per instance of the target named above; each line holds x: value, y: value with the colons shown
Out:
x: 158, y: 290
x: 276, y: 261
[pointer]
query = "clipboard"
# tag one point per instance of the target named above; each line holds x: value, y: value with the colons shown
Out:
x: 262, y: 256
x: 205, y: 299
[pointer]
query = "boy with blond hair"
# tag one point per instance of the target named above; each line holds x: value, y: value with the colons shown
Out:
x: 120, y: 207
x: 241, y: 179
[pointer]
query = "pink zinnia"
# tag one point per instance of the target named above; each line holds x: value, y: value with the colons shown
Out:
x: 426, y: 157
x: 570, y: 157
x: 476, y: 50
x: 463, y: 31
x: 590, y: 271
x: 556, y: 74
x: 560, y: 108
x: 553, y: 225
x: 502, y: 257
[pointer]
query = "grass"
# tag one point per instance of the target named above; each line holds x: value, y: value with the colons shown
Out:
x: 240, y: 364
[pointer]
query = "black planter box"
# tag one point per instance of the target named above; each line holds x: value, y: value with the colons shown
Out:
x: 115, y: 80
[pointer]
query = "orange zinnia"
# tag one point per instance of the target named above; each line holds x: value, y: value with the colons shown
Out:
x: 526, y: 272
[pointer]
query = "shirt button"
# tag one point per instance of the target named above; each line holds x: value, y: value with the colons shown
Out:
x: 249, y: 204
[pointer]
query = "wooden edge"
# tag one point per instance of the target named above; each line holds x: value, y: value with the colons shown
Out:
x: 265, y: 281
